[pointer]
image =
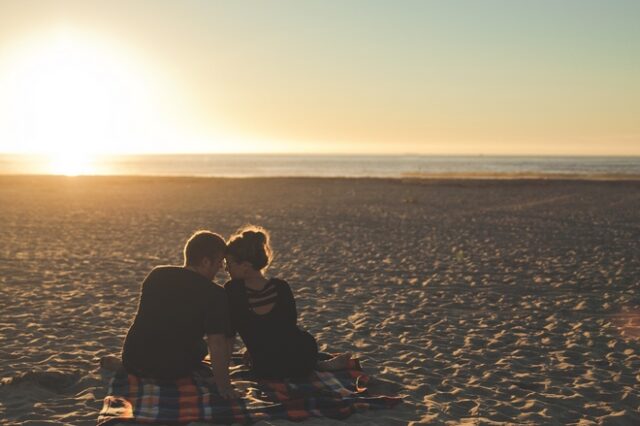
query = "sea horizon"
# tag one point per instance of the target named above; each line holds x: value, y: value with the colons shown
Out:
x: 327, y: 165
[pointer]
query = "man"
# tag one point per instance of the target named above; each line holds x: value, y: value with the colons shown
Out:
x: 179, y: 305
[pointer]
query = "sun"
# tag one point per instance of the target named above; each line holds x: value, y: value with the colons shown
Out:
x: 70, y: 164
x: 71, y: 96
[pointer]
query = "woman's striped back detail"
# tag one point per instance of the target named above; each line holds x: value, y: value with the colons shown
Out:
x: 264, y: 297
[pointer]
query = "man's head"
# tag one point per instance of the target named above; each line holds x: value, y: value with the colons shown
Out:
x: 204, y: 253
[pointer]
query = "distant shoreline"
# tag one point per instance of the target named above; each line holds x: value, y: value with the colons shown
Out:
x: 523, y: 176
x: 312, y: 166
x: 403, y: 177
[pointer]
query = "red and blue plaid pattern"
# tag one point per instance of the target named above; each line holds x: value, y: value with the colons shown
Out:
x: 335, y: 394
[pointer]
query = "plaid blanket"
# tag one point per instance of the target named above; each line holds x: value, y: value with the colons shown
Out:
x: 335, y: 394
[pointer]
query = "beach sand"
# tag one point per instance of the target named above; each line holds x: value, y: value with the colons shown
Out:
x: 479, y: 301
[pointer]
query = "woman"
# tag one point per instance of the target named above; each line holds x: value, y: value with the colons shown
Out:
x: 263, y: 312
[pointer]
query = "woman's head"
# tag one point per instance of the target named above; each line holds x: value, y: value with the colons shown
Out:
x: 248, y: 251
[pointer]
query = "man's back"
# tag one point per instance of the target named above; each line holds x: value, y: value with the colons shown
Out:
x: 177, y: 308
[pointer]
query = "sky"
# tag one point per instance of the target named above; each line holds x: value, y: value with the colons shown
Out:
x: 538, y: 77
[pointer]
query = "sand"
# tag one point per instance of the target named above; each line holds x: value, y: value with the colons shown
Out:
x: 479, y: 301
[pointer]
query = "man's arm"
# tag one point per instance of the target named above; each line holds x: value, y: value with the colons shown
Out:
x: 230, y: 342
x: 220, y: 364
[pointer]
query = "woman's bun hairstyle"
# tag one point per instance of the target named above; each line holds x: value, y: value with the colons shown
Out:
x: 254, y: 235
x: 251, y: 244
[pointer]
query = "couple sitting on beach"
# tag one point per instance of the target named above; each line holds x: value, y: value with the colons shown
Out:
x: 180, y: 305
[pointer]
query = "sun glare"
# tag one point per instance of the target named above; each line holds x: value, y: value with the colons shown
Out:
x: 70, y: 164
x: 69, y: 95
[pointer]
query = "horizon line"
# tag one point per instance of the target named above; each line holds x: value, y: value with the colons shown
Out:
x: 333, y: 154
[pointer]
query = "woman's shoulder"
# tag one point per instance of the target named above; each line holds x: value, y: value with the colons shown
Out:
x: 279, y: 283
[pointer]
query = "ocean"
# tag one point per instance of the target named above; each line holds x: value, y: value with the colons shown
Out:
x: 267, y: 165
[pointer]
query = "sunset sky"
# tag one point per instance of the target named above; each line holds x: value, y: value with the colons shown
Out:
x: 431, y: 77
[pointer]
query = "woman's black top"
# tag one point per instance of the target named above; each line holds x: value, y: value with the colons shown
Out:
x: 278, y: 348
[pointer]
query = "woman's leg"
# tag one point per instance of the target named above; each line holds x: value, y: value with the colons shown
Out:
x: 295, y: 357
x: 338, y: 362
x: 111, y: 362
x: 308, y: 357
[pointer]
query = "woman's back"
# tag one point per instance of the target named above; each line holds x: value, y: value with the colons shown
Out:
x: 266, y: 320
x: 261, y: 314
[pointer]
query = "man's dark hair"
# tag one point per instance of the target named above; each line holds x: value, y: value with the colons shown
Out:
x: 203, y: 244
